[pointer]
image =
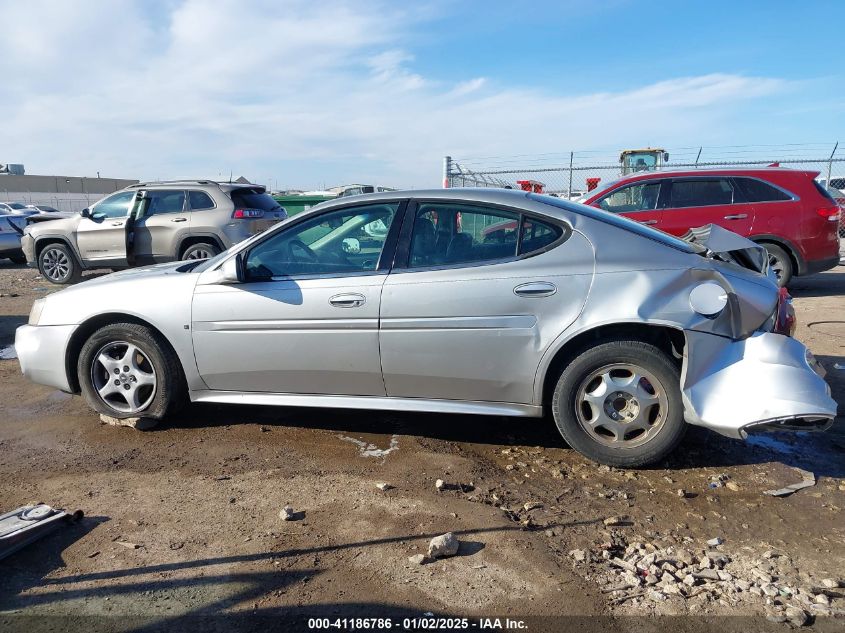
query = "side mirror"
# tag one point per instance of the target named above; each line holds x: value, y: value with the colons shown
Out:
x: 85, y: 213
x: 231, y: 272
x: 351, y: 245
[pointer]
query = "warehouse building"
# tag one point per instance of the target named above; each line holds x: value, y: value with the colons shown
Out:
x: 65, y: 193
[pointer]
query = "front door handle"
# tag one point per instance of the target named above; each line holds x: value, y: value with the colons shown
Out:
x: 535, y: 289
x: 179, y: 220
x: 738, y: 216
x: 648, y: 222
x: 117, y: 223
x: 351, y: 300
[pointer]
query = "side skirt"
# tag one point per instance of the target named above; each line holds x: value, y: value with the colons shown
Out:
x: 369, y: 402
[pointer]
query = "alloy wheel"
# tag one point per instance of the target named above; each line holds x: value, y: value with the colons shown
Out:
x: 621, y: 405
x: 124, y: 377
x: 199, y: 253
x: 56, y: 264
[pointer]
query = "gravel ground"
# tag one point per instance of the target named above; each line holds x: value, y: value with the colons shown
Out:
x: 184, y: 520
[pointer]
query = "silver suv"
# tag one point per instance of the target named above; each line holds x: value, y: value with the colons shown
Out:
x: 150, y: 222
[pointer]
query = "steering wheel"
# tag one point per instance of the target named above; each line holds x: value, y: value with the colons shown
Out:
x: 302, y: 246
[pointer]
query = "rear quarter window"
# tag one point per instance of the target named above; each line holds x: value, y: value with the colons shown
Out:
x: 758, y: 191
x: 254, y: 199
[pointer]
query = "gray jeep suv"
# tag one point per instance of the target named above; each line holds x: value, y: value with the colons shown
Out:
x: 150, y: 222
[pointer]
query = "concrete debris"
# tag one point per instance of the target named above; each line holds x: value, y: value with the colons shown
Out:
x: 287, y: 514
x: 732, y: 486
x: 578, y: 555
x: 715, y: 542
x: 681, y: 493
x: 532, y: 505
x: 443, y: 546
x: 418, y: 559
x: 139, y: 424
x: 439, y: 485
x: 808, y: 479
x: 128, y: 545
x: 830, y: 583
x: 796, y: 616
x: 383, y: 486
x: 614, y: 521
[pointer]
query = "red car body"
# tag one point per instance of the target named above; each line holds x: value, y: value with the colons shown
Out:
x: 785, y: 208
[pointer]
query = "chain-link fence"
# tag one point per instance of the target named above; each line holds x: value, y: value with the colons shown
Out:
x: 71, y: 202
x: 572, y: 174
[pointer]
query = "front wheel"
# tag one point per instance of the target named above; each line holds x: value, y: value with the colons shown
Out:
x: 128, y: 370
x: 619, y: 404
x: 58, y: 264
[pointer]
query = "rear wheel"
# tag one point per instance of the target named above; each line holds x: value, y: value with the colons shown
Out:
x: 201, y: 250
x: 619, y: 404
x: 128, y: 370
x: 58, y: 264
x: 780, y: 263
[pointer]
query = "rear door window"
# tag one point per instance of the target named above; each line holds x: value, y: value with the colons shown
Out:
x: 159, y: 201
x: 701, y: 192
x: 759, y: 191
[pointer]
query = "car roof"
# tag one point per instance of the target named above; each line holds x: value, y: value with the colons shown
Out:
x: 169, y: 184
x: 468, y: 194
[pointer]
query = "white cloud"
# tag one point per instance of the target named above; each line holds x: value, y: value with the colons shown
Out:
x: 306, y: 93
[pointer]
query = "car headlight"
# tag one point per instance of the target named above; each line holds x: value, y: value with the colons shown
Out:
x: 37, y: 309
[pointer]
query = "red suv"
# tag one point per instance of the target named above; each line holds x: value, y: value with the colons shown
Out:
x: 786, y: 210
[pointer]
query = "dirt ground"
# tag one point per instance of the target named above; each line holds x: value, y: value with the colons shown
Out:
x: 183, y: 521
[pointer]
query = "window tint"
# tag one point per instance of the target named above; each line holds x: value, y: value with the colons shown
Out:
x: 637, y: 197
x: 200, y: 200
x: 537, y: 235
x: 701, y: 192
x: 453, y: 233
x: 342, y: 241
x: 254, y: 199
x: 759, y: 191
x: 115, y: 206
x: 160, y: 201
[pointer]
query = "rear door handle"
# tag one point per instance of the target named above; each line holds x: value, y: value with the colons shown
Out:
x: 738, y: 216
x: 647, y: 221
x: 179, y: 220
x: 535, y: 289
x: 351, y: 300
x: 117, y: 223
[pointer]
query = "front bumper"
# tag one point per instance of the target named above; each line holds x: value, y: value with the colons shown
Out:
x: 41, y: 352
x: 764, y: 381
x: 28, y: 248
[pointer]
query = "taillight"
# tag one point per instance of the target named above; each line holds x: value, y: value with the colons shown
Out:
x: 785, y: 320
x: 241, y: 214
x: 831, y: 214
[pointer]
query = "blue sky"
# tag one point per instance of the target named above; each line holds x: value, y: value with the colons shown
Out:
x: 307, y: 94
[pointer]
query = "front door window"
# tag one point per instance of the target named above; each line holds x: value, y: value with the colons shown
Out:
x: 348, y: 240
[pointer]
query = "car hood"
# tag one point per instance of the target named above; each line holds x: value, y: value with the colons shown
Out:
x: 144, y: 272
x: 66, y: 226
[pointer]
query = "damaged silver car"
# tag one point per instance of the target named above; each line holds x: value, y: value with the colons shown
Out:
x: 470, y: 301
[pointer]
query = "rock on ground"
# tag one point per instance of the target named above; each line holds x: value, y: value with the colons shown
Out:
x: 140, y: 424
x: 443, y: 546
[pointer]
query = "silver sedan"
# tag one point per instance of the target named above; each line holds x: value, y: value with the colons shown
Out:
x: 469, y: 301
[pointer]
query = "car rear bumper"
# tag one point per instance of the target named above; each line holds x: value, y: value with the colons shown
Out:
x: 41, y: 353
x: 10, y: 243
x: 819, y: 265
x: 762, y: 382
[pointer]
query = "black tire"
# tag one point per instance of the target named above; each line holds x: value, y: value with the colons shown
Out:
x: 166, y: 394
x: 200, y: 250
x: 781, y: 263
x: 58, y: 265
x: 645, y: 447
x: 18, y: 259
